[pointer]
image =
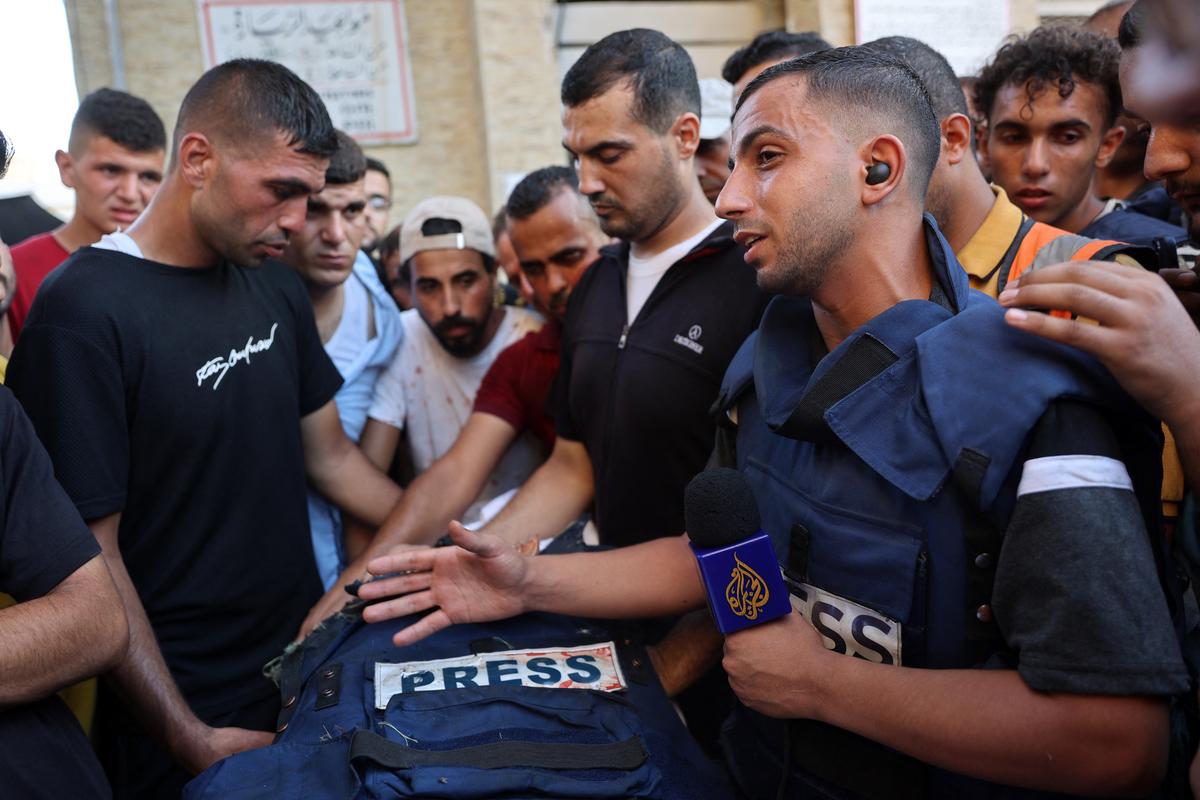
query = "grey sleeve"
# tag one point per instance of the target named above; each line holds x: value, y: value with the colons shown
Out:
x: 1077, y: 594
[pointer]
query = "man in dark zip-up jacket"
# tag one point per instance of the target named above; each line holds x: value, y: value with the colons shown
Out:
x: 652, y: 326
x: 648, y: 333
x: 637, y: 393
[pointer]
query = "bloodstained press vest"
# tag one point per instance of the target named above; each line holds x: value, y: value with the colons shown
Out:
x: 884, y: 473
x: 474, y: 711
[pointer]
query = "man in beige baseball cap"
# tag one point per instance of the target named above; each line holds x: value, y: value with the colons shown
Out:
x: 424, y: 228
x: 452, y: 335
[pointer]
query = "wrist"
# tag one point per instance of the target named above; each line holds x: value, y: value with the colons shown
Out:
x: 535, y: 591
x: 815, y: 695
x: 187, y: 742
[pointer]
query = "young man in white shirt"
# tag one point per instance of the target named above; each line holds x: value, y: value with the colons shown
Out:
x: 451, y: 336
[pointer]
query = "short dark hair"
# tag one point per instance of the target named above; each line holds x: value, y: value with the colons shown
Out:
x: 538, y: 188
x: 375, y: 165
x: 127, y: 120
x: 657, y: 68
x: 6, y: 154
x: 347, y: 164
x: 874, y: 85
x: 771, y: 46
x: 1052, y: 55
x: 1132, y: 27
x: 931, y: 67
x: 247, y: 98
x: 390, y: 243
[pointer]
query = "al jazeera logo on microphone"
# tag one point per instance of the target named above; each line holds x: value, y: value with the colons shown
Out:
x: 742, y: 580
x: 746, y: 593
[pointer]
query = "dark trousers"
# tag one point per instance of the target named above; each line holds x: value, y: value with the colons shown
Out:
x: 137, y: 766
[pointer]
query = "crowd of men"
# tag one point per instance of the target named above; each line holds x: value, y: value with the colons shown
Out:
x: 945, y: 327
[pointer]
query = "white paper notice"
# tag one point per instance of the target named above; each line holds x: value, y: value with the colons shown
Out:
x: 353, y: 52
x: 966, y: 32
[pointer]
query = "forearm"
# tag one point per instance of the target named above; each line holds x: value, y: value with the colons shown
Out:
x: 990, y: 725
x: 142, y: 678
x: 440, y: 494
x: 654, y: 579
x: 355, y: 485
x: 75, y: 631
x: 549, y: 501
x: 688, y: 651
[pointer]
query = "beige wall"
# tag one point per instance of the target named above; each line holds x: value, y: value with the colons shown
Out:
x: 472, y: 60
x: 485, y: 72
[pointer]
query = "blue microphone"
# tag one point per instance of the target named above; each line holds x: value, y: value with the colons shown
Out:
x: 737, y: 562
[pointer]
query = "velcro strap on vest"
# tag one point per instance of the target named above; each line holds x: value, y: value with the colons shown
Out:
x: 865, y: 358
x: 626, y: 755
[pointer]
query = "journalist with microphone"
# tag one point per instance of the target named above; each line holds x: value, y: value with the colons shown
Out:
x: 978, y: 607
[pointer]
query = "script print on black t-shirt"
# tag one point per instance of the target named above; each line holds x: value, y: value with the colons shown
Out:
x: 174, y: 397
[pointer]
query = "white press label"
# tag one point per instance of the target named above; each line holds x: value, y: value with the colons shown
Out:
x: 593, y: 666
x: 848, y: 627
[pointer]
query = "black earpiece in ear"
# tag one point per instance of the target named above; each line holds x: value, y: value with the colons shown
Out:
x: 878, y: 173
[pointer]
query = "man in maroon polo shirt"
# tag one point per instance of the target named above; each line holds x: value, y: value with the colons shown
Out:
x: 556, y: 237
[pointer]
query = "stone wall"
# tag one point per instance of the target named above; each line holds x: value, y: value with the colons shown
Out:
x: 485, y: 74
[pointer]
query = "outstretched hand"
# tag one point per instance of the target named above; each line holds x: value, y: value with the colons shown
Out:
x: 1145, y: 335
x: 479, y: 580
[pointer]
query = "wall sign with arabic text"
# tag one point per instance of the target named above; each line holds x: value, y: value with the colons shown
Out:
x: 966, y: 32
x: 353, y: 52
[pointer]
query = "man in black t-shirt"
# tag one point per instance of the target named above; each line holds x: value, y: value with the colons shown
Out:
x: 67, y: 625
x: 184, y: 396
x: 60, y: 616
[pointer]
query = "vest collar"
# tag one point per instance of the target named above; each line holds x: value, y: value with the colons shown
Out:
x: 797, y: 382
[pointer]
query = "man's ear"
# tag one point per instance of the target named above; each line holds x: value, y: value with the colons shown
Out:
x: 197, y: 159
x: 956, y: 138
x: 686, y: 134
x: 66, y: 168
x: 887, y: 155
x: 1108, y: 145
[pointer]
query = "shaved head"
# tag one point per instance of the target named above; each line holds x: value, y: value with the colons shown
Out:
x: 248, y: 102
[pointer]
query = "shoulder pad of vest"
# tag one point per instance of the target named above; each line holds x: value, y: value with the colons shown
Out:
x: 986, y: 385
x: 974, y: 386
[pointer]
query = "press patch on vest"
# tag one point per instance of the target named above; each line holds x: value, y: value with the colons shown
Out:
x: 1072, y: 472
x: 847, y: 627
x: 593, y: 666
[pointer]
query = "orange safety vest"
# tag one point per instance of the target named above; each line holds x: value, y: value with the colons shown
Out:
x: 1039, y: 245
